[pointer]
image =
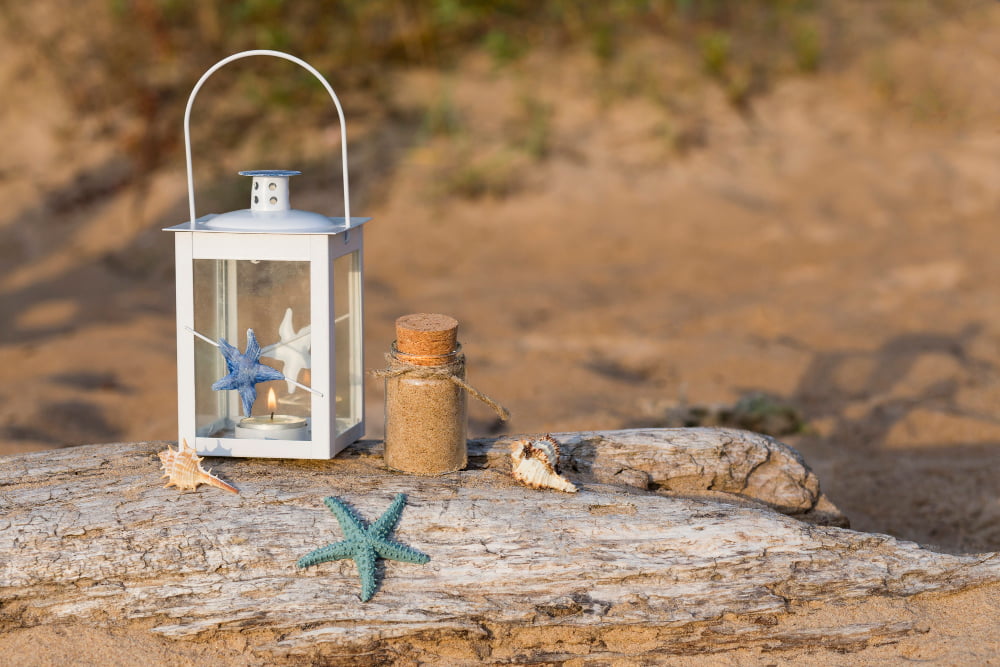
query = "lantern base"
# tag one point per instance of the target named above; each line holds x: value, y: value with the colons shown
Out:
x: 261, y: 447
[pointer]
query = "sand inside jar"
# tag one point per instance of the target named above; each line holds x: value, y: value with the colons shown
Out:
x: 425, y: 424
x: 425, y: 410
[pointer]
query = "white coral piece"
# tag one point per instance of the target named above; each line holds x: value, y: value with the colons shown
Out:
x: 535, y: 461
x: 293, y: 350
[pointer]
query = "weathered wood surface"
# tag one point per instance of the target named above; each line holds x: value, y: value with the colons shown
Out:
x: 616, y: 570
x: 750, y: 466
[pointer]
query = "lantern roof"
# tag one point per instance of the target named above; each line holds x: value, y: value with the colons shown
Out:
x: 288, y: 222
x: 275, y: 173
x: 270, y: 212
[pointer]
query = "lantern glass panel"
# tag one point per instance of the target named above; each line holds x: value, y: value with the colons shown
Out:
x: 347, y: 339
x: 231, y: 296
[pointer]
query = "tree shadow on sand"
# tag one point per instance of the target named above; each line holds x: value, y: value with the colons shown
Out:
x: 137, y: 279
x: 879, y: 432
x: 871, y: 457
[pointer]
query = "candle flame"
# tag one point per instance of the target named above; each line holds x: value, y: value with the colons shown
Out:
x: 272, y: 400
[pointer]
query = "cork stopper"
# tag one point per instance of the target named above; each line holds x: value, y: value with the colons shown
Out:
x: 426, y: 335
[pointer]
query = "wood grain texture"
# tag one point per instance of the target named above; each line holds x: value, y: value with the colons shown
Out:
x: 635, y: 565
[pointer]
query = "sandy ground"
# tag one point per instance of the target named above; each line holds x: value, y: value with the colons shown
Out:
x: 836, y: 248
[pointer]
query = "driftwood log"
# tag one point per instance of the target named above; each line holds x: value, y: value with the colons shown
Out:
x: 678, y: 542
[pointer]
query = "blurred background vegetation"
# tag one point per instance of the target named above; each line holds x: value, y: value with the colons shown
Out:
x: 134, y: 61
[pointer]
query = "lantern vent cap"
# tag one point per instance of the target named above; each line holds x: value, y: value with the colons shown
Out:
x: 269, y: 191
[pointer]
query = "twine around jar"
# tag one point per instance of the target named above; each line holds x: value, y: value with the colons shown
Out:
x: 445, y: 371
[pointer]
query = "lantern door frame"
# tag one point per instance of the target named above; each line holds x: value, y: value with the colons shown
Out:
x: 320, y: 250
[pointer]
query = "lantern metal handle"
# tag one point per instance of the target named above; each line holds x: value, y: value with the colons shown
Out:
x: 283, y: 56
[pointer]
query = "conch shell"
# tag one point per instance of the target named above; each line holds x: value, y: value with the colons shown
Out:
x: 183, y: 470
x: 534, y: 464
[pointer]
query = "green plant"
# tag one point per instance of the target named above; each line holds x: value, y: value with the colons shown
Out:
x: 680, y: 137
x: 884, y: 78
x: 603, y: 42
x: 743, y: 83
x: 716, y: 50
x: 807, y: 47
x: 536, y: 127
x: 503, y: 47
x: 930, y: 102
x: 441, y: 117
x: 496, y: 176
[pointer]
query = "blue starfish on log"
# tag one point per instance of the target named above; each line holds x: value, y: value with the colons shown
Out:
x: 245, y: 371
x: 364, y: 543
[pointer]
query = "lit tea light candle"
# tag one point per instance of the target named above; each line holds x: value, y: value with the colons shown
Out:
x: 272, y: 426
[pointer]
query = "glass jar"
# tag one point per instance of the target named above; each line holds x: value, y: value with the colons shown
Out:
x: 425, y: 408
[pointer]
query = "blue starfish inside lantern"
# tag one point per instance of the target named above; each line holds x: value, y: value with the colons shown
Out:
x: 245, y: 371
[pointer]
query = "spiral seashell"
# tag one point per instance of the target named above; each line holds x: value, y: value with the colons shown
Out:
x: 534, y: 462
x: 183, y: 470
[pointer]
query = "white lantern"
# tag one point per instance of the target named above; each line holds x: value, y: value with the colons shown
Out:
x: 269, y: 318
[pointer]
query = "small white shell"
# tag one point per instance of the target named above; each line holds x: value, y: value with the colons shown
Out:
x: 534, y: 462
x: 182, y: 468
